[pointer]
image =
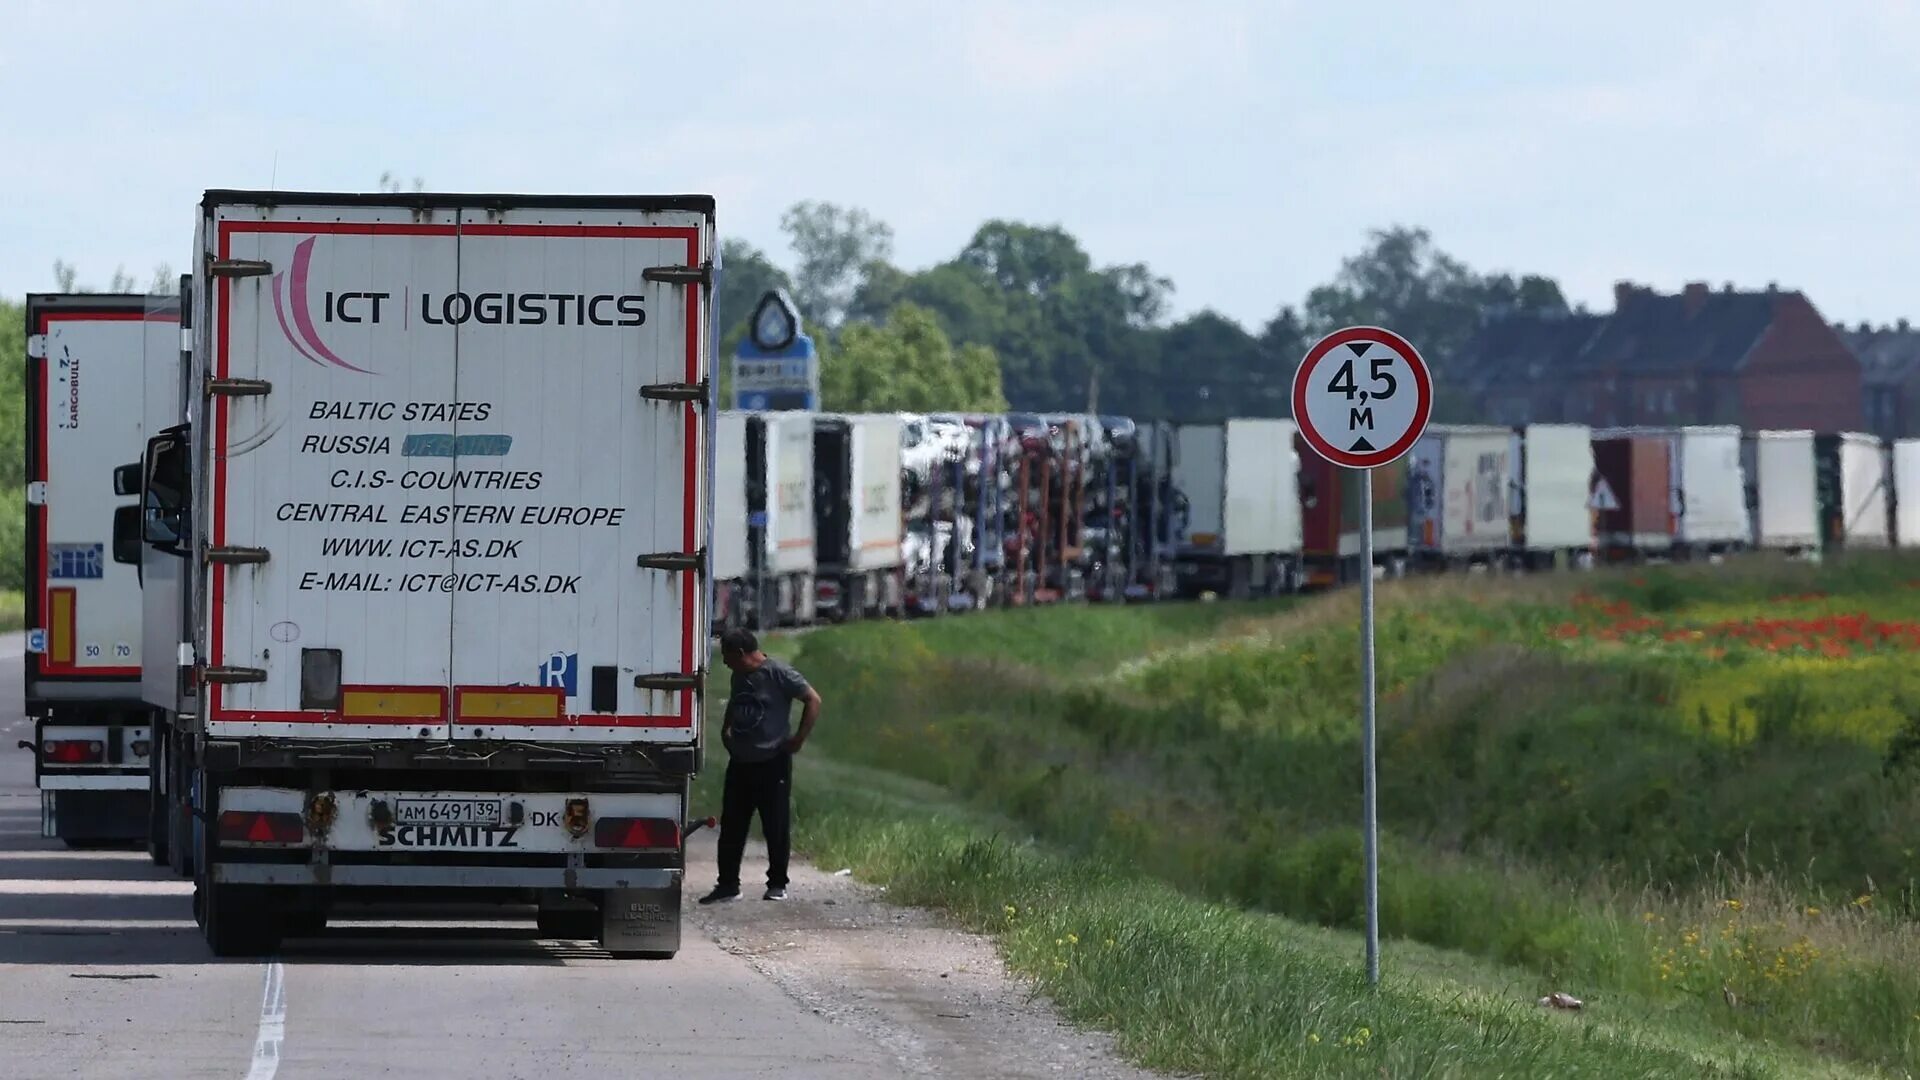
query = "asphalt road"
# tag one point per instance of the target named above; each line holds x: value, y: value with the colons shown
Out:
x: 103, y: 974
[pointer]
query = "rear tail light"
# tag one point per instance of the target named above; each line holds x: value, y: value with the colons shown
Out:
x: 75, y: 751
x: 260, y: 827
x: 637, y: 834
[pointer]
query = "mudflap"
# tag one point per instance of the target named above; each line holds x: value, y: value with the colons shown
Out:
x: 641, y: 923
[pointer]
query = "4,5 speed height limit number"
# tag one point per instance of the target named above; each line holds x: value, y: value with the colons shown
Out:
x: 1361, y: 397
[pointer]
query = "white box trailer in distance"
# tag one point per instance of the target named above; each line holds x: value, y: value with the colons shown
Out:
x: 87, y: 356
x: 449, y: 517
x: 763, y: 544
x: 857, y: 512
x: 1905, y: 456
x: 1241, y: 480
x: 1855, y: 492
x: 1785, y: 504
x: 1707, y: 482
x: 1553, y: 491
x: 1458, y: 482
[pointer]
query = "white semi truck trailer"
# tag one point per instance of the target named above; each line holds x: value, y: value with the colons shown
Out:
x: 93, y: 738
x: 438, y: 508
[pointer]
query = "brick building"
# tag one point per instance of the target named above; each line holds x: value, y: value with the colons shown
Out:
x: 1699, y: 356
x: 1890, y: 376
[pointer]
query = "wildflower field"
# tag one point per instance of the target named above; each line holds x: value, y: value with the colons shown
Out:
x: 1688, y: 796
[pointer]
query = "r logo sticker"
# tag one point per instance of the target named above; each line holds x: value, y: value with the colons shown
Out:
x: 562, y: 670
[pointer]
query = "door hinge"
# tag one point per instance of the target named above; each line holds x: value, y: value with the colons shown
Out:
x: 234, y: 268
x: 680, y: 275
x: 675, y: 561
x: 669, y: 681
x: 232, y: 555
x: 36, y: 346
x: 693, y: 392
x: 228, y: 676
x: 238, y: 387
x: 37, y: 493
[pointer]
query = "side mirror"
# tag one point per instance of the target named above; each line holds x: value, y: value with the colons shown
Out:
x: 126, y: 479
x: 126, y: 534
x: 166, y: 493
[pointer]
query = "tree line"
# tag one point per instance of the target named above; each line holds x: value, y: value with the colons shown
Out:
x: 1066, y: 335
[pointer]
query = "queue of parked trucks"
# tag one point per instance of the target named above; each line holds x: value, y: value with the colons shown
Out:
x: 381, y: 561
x: 941, y: 513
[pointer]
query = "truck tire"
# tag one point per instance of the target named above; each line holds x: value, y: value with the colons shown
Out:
x: 236, y: 920
x: 307, y: 922
x: 1239, y: 580
x: 158, y: 812
x: 180, y: 840
x: 240, y: 920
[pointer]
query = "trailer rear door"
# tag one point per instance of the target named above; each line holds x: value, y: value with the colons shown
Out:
x: 458, y: 483
x: 86, y: 401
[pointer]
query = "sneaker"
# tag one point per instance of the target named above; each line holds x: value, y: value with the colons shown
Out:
x: 775, y: 892
x: 720, y: 895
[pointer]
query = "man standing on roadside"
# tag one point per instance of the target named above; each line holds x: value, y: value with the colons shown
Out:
x: 758, y: 735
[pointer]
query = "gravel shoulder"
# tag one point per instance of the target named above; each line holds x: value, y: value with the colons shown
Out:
x: 939, y: 999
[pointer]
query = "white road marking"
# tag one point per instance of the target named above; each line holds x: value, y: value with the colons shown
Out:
x: 273, y: 1024
x: 93, y: 887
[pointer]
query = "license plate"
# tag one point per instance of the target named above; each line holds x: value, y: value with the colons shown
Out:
x: 447, y: 812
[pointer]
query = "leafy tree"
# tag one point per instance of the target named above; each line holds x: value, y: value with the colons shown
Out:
x: 1219, y: 370
x: 835, y: 247
x: 1402, y: 282
x: 746, y: 274
x: 908, y: 364
x: 13, y: 445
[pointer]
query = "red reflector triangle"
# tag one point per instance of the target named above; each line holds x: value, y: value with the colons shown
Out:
x: 261, y: 831
x: 638, y: 835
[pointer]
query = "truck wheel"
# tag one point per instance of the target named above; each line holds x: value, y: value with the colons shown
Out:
x: 236, y: 920
x: 1239, y: 580
x: 179, y: 810
x: 158, y: 822
x: 309, y: 922
x: 240, y: 920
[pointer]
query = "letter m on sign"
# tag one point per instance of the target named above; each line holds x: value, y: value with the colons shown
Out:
x: 562, y: 670
x: 1357, y: 418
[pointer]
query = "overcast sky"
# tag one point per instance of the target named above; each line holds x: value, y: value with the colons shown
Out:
x: 1239, y: 148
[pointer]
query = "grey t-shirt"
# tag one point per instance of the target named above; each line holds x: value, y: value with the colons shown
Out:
x: 760, y: 713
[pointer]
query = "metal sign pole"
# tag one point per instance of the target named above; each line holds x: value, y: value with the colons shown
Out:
x: 1362, y: 427
x: 1370, y: 822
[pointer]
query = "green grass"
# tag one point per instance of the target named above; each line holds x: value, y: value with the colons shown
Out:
x: 1554, y: 806
x: 1192, y: 986
x: 13, y: 610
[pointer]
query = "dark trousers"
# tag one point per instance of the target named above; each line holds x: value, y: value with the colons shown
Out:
x: 765, y: 787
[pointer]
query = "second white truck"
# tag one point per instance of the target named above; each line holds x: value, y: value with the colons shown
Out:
x: 92, y: 745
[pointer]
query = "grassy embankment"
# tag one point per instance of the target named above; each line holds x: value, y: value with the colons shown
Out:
x: 1689, y: 797
x: 13, y: 610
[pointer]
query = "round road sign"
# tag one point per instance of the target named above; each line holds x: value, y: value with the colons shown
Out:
x: 1362, y: 397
